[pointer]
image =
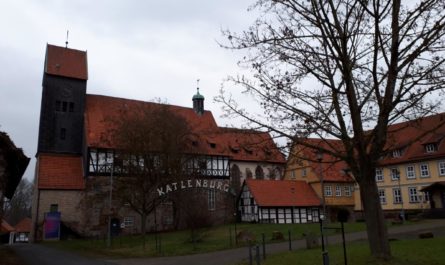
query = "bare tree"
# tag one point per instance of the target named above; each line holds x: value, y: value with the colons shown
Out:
x: 152, y: 144
x: 343, y: 69
x: 19, y: 206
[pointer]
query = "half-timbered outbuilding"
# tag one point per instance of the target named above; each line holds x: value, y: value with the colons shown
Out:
x: 278, y: 201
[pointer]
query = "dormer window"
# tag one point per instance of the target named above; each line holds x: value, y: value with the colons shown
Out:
x: 212, y: 145
x: 234, y: 149
x: 431, y: 148
x: 397, y: 153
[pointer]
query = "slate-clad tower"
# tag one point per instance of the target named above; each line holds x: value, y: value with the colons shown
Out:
x: 63, y: 101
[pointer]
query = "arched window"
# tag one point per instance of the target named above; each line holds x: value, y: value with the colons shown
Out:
x: 235, y: 175
x: 259, y: 173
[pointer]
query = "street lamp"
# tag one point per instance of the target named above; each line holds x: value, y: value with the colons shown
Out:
x: 323, y: 216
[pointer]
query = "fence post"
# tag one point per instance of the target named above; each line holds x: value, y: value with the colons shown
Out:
x: 290, y: 240
x: 257, y: 248
x: 250, y: 254
x: 264, y: 245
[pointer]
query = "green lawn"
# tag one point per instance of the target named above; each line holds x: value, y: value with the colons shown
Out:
x: 405, y: 252
x: 180, y: 243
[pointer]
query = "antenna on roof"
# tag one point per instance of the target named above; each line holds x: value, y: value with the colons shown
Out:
x: 66, y: 42
x: 197, y: 85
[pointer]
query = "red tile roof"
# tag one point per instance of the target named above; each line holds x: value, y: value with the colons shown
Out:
x: 333, y: 170
x: 269, y: 193
x: 66, y: 62
x: 60, y: 172
x: 427, y: 130
x: 24, y: 226
x: 211, y: 139
x: 5, y: 227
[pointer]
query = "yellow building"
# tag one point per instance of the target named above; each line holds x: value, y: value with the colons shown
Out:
x: 329, y: 178
x: 415, y: 160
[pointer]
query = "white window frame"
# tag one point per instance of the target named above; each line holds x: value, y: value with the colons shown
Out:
x: 379, y: 175
x: 395, y: 173
x: 424, y: 171
x: 413, y: 195
x: 382, y: 196
x: 303, y: 172
x: 441, y: 168
x: 328, y: 190
x: 408, y: 171
x: 211, y: 200
x: 431, y: 148
x: 128, y: 221
x: 397, y: 195
x: 397, y: 153
x: 337, y: 191
x: 347, y: 191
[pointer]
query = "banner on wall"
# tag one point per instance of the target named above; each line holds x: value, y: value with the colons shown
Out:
x: 51, y: 227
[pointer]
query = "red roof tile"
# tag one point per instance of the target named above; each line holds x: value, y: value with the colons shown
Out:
x: 5, y: 227
x: 425, y: 130
x: 211, y: 139
x: 66, y: 62
x: 24, y: 226
x: 333, y: 170
x: 60, y: 172
x: 282, y: 193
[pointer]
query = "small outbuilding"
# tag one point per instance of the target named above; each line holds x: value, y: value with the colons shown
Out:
x: 278, y: 201
x: 436, y: 193
x: 22, y: 230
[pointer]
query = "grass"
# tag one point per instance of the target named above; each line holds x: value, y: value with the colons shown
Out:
x: 405, y: 252
x: 180, y: 243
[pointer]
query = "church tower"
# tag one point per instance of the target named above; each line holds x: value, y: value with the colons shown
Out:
x: 198, y: 103
x: 63, y: 101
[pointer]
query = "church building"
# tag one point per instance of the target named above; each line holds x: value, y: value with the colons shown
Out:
x: 74, y: 160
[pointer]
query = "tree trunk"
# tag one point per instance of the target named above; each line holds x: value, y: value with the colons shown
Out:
x: 143, y: 228
x: 375, y: 221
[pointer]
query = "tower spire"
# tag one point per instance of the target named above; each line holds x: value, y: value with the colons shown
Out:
x: 66, y: 42
x: 198, y: 100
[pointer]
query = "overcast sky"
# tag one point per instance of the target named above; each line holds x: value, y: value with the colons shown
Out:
x: 136, y: 49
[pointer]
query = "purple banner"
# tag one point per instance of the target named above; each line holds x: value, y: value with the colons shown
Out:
x: 52, y: 226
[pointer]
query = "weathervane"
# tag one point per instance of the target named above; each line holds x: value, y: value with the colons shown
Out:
x: 197, y: 84
x: 66, y: 42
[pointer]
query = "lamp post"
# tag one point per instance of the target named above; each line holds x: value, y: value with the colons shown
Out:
x: 324, y: 253
x: 109, y: 204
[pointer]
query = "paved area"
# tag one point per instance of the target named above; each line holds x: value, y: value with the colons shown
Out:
x: 232, y: 256
x: 35, y: 254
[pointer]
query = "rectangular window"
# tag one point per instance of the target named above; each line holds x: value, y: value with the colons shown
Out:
x: 382, y: 196
x: 424, y: 171
x: 426, y: 196
x: 71, y: 109
x: 54, y: 208
x: 62, y: 133
x: 410, y: 172
x: 211, y: 200
x: 58, y: 105
x: 397, y: 194
x: 64, y: 106
x: 337, y: 191
x: 413, y: 196
x: 442, y: 168
x: 347, y: 191
x: 431, y: 148
x: 328, y: 190
x: 129, y: 221
x: 397, y: 153
x: 395, y: 174
x: 303, y: 172
x: 292, y: 174
x: 379, y: 174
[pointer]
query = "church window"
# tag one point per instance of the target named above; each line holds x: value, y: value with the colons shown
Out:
x: 62, y: 133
